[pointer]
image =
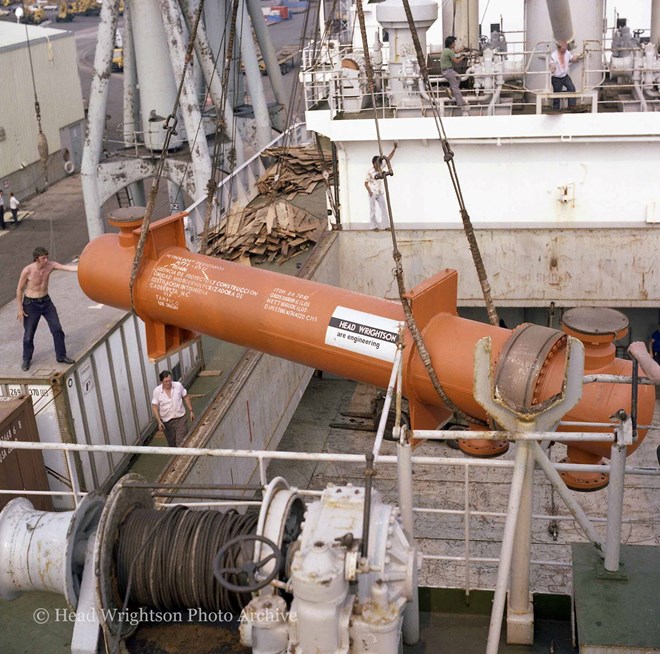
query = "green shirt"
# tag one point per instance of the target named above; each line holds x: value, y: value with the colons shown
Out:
x: 446, y: 58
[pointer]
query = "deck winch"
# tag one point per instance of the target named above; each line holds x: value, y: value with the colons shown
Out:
x: 346, y: 333
x: 344, y: 591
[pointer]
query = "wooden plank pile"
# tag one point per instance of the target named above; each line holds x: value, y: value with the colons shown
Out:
x: 296, y: 170
x: 274, y: 229
x: 274, y: 232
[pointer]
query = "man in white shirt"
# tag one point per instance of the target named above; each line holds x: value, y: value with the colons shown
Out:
x: 560, y: 61
x: 167, y: 407
x: 376, y: 190
x: 13, y: 207
x: 2, y: 210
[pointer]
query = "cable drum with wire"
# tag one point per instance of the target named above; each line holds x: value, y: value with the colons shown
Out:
x: 165, y: 558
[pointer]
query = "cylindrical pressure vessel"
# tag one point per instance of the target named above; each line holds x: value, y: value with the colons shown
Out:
x: 321, y: 326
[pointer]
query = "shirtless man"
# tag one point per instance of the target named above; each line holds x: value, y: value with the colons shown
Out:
x: 33, y: 302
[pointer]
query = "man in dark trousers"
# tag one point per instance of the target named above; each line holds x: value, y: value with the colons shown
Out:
x: 13, y: 207
x: 2, y: 210
x: 560, y: 62
x: 167, y: 406
x: 33, y: 302
x: 448, y: 58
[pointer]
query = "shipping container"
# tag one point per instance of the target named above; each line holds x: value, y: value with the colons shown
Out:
x: 21, y: 469
x: 104, y: 398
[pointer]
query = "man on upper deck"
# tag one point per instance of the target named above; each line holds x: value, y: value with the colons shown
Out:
x: 560, y: 61
x: 448, y: 58
x: 33, y: 302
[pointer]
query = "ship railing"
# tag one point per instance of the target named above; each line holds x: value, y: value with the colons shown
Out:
x: 469, y: 560
x: 519, y: 78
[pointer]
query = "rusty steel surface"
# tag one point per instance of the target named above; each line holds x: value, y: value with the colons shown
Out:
x: 322, y: 326
x: 523, y: 362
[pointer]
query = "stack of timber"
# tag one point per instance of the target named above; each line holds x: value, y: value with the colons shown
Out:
x: 296, y: 170
x: 274, y: 232
x: 273, y: 229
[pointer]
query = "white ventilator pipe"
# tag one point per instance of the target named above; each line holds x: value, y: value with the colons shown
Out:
x: 655, y: 22
x: 560, y: 19
x: 45, y: 551
x: 538, y: 43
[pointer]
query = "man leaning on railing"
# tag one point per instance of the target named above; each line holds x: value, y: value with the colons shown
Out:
x: 560, y: 61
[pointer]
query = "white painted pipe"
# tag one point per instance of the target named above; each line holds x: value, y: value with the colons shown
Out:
x: 655, y: 22
x: 45, y: 551
x: 519, y: 592
x: 615, y: 507
x: 506, y: 553
x: 404, y: 477
x: 386, y: 405
x: 572, y: 437
x: 267, y: 455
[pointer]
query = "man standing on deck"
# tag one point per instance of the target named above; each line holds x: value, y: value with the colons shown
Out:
x: 33, y: 302
x: 560, y: 61
x: 448, y: 58
x: 2, y: 210
x: 13, y: 207
x: 167, y: 407
x: 376, y: 190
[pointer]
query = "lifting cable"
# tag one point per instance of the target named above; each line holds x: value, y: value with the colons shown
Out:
x: 453, y: 174
x: 42, y: 142
x: 396, y: 255
x: 170, y: 130
x: 221, y: 129
x: 165, y: 558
